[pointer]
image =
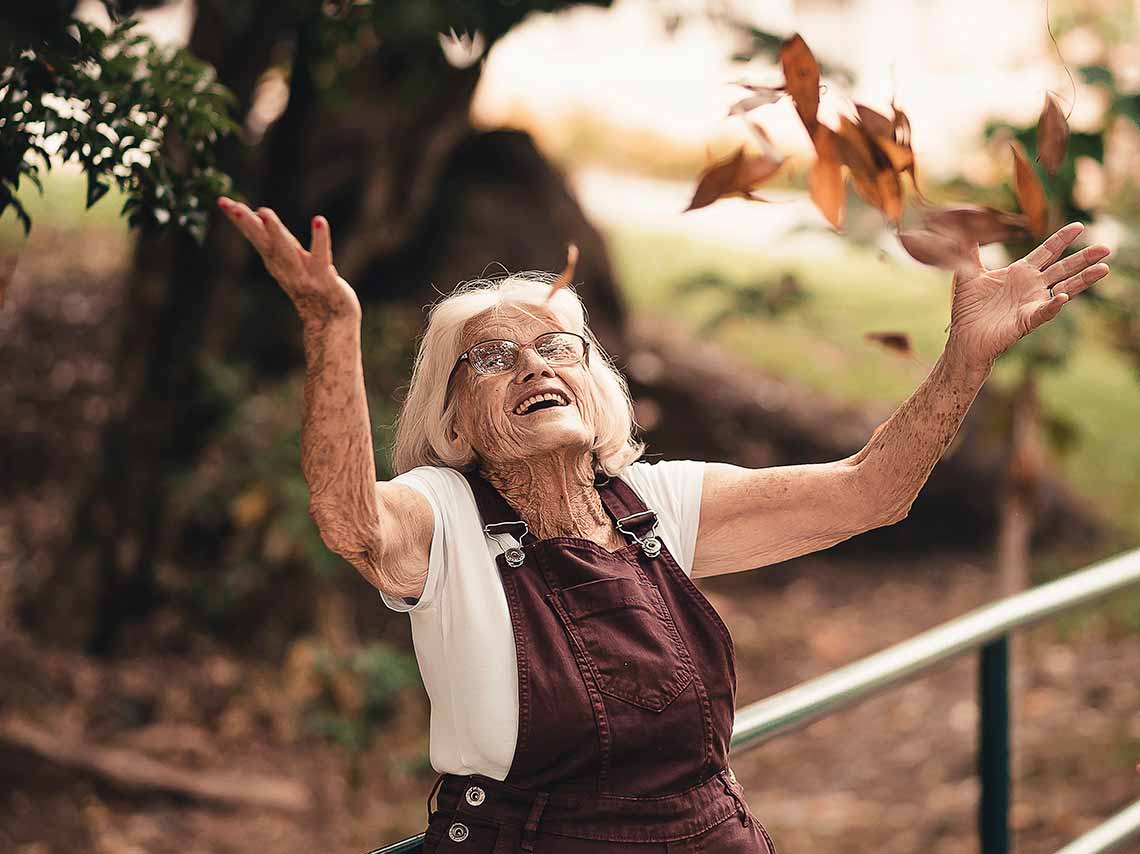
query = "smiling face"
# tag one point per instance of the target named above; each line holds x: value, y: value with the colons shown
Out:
x: 497, y: 413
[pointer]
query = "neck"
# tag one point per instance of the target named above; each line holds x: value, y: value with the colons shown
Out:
x: 554, y: 494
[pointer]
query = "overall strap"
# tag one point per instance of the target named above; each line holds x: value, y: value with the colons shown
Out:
x: 626, y: 506
x: 494, y: 510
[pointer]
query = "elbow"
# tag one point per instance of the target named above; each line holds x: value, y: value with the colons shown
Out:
x: 884, y: 517
x: 345, y: 538
x: 895, y: 515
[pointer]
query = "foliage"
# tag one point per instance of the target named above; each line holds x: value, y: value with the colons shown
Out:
x: 360, y: 689
x: 132, y: 115
x: 758, y: 298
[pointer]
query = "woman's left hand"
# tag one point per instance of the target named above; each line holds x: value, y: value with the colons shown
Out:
x: 993, y: 309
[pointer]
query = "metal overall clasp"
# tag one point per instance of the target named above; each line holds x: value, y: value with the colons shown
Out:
x: 514, y: 554
x: 651, y: 544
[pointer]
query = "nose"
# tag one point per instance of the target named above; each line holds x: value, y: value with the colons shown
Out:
x: 531, y: 366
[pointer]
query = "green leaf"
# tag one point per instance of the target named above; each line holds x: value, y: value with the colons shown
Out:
x: 1098, y: 75
x: 96, y: 189
x: 1128, y: 106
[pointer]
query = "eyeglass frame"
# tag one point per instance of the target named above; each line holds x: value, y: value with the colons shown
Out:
x: 465, y: 355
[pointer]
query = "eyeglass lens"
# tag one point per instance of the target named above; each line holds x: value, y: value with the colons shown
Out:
x: 492, y: 357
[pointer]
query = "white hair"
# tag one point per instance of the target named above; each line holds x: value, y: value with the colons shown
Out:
x: 424, y: 427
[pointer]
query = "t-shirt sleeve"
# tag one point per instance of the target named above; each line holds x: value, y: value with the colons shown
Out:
x: 673, y: 489
x: 424, y: 481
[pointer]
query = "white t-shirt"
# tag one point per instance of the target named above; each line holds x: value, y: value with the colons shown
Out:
x: 461, y: 626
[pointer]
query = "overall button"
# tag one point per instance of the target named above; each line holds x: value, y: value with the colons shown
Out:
x: 475, y: 796
x: 458, y: 831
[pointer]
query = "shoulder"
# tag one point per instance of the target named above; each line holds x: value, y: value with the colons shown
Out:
x: 667, y: 475
x: 439, y: 483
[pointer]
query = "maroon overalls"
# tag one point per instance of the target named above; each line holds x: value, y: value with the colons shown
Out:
x: 627, y: 688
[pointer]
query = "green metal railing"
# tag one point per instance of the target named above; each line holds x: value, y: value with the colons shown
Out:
x: 986, y: 629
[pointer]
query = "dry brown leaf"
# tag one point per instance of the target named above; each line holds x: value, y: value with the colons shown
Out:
x: 892, y: 137
x: 978, y: 224
x: 567, y: 275
x: 871, y: 171
x: 1052, y: 135
x: 801, y: 79
x: 1030, y: 193
x: 736, y: 174
x: 898, y: 342
x: 936, y: 249
x: 761, y: 96
x: 825, y: 180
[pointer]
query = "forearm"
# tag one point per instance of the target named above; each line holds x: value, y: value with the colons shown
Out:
x: 903, y: 450
x: 336, y: 441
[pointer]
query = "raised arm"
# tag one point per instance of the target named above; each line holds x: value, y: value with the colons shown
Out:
x: 383, y: 529
x: 755, y: 517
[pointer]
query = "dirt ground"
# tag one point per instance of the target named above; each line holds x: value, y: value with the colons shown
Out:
x: 894, y: 774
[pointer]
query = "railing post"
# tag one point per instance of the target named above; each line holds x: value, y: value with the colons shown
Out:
x: 993, y: 746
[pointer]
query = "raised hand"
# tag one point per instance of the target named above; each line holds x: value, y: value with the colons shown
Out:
x: 993, y: 309
x: 307, y: 276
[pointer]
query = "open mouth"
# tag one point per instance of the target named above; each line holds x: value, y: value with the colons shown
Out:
x: 548, y: 400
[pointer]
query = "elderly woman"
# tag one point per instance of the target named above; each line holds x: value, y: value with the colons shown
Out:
x: 582, y: 688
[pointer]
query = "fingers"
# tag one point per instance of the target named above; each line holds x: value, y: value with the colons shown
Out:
x: 284, y: 244
x: 247, y: 223
x: 1076, y: 262
x: 322, y: 242
x: 1047, y: 310
x: 1051, y: 249
x: 1075, y: 284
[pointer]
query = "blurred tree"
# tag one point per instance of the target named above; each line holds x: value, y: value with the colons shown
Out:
x: 375, y: 134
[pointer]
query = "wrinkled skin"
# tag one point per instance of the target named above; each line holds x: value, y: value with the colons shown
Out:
x: 542, y: 462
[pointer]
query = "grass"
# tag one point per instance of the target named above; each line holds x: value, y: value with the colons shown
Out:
x: 821, y: 344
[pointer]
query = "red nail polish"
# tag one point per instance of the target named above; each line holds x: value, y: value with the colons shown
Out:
x: 316, y: 223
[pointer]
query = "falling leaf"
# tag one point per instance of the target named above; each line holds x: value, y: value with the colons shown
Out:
x: 874, y: 177
x: 738, y: 173
x: 876, y: 123
x: 892, y: 136
x: 935, y: 249
x: 1030, y: 193
x: 825, y: 181
x: 567, y: 275
x: 761, y: 96
x: 801, y: 79
x: 978, y: 224
x: 899, y: 342
x: 1052, y: 135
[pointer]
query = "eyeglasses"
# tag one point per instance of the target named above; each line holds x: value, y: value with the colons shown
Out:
x: 499, y: 355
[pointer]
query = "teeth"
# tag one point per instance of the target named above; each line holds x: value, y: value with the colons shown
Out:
x: 530, y: 401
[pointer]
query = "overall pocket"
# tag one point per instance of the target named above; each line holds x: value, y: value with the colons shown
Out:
x: 629, y: 638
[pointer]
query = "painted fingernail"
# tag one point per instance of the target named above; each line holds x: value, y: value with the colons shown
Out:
x: 316, y: 222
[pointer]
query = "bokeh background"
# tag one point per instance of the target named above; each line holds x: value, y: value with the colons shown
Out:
x: 186, y: 665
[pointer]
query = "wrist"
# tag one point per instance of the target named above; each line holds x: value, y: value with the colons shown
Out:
x: 341, y: 322
x: 968, y: 367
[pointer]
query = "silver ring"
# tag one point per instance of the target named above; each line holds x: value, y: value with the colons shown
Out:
x: 1050, y: 289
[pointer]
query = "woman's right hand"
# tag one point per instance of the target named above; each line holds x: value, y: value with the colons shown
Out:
x: 307, y: 276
